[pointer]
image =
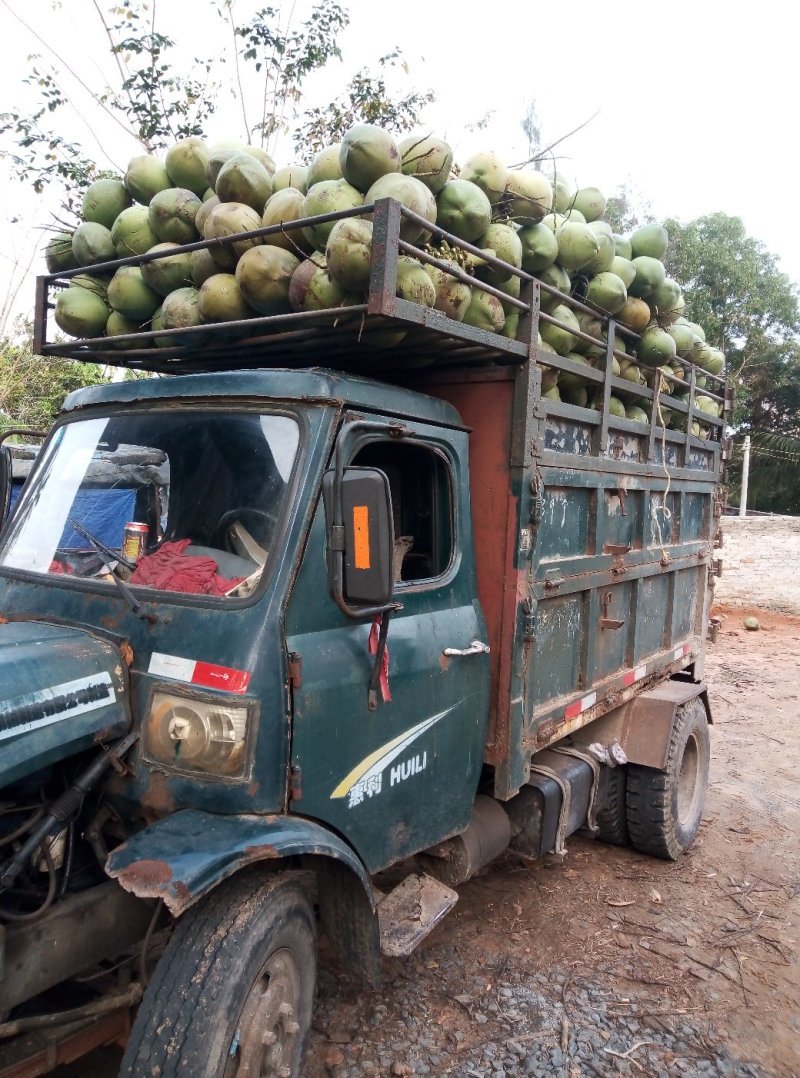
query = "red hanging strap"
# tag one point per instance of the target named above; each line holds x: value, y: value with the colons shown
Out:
x: 374, y: 635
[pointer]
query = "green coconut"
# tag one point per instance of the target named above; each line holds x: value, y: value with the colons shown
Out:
x: 607, y: 291
x: 295, y: 176
x: 131, y: 233
x: 631, y: 372
x: 204, y: 213
x: 104, y: 201
x: 591, y: 202
x: 702, y: 354
x: 539, y: 247
x: 552, y: 394
x: 656, y: 347
x: 218, y: 154
x: 751, y: 624
x: 716, y: 364
x: 556, y: 277
x: 264, y: 275
x: 58, y: 254
x: 169, y: 272
x: 562, y: 339
x: 485, y: 312
x: 636, y: 414
x: 94, y: 282
x: 650, y: 275
x: 605, y: 254
x: 563, y: 193
x: 208, y: 194
x: 413, y: 283
x: 592, y: 326
x: 130, y: 295
x: 623, y: 247
x: 348, y: 253
x: 507, y: 246
x: 698, y: 331
x: 429, y: 159
x: 81, y: 312
x: 577, y: 246
x: 146, y: 176
x: 92, y: 244
x: 411, y: 193
x: 616, y: 407
x: 569, y: 381
x: 489, y: 172
x: 181, y: 309
x: 221, y: 300
x: 118, y: 324
x: 578, y: 396
x: 283, y: 207
x: 186, y: 163
x: 367, y: 152
x: 262, y: 157
x: 665, y: 298
x: 529, y: 196
x: 553, y: 221
x: 624, y: 269
x: 244, y: 179
x: 635, y: 314
x: 328, y: 196
x: 229, y: 219
x: 452, y: 296
x: 464, y: 210
x: 172, y: 215
x: 325, y: 166
x: 323, y: 293
x: 202, y: 266
x: 650, y: 240
x: 301, y: 279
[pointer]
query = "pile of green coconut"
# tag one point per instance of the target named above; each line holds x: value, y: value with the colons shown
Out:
x: 518, y: 215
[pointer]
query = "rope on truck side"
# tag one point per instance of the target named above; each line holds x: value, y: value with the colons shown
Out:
x: 663, y: 508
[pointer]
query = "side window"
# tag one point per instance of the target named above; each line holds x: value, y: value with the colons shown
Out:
x: 422, y: 507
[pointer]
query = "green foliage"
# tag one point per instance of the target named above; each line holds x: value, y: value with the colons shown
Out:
x: 366, y: 99
x: 626, y: 210
x: 774, y: 483
x: 286, y: 58
x: 32, y: 388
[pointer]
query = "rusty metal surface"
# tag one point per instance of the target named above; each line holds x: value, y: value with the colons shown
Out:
x: 185, y: 855
x: 37, y: 1054
x: 411, y: 911
x: 643, y: 725
x: 76, y: 933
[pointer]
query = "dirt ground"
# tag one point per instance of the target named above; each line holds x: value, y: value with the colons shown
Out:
x: 714, y: 937
x: 707, y: 948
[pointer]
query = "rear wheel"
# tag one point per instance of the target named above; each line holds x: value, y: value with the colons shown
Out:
x: 664, y: 808
x: 233, y: 992
x: 612, y: 819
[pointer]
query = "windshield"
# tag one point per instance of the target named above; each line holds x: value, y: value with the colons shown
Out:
x: 178, y: 501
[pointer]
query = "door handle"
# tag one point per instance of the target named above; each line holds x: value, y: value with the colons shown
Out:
x: 475, y: 648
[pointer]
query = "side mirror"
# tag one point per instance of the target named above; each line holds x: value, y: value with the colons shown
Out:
x: 360, y: 539
x: 5, y: 483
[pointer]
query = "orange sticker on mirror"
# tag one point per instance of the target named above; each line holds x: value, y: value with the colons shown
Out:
x: 361, y: 536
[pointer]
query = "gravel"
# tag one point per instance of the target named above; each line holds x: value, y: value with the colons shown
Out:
x: 429, y: 1021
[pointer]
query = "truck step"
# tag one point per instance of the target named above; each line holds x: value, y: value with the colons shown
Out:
x: 410, y: 911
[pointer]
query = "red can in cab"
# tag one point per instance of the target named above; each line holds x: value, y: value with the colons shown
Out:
x: 134, y: 540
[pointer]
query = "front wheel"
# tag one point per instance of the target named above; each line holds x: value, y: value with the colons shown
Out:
x: 232, y: 995
x: 664, y: 808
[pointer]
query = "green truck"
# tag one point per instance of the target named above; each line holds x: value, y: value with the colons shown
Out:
x: 341, y: 592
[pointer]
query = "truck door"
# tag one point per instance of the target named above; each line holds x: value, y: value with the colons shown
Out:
x: 402, y: 777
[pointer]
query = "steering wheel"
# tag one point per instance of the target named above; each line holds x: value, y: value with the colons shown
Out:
x: 240, y: 513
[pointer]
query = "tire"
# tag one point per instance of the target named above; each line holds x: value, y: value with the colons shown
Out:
x: 234, y: 987
x: 612, y: 819
x: 664, y: 808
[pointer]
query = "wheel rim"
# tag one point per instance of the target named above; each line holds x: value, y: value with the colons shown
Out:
x: 265, y: 1043
x: 689, y: 786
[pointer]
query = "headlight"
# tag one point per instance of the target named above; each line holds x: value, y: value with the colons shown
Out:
x: 195, y: 735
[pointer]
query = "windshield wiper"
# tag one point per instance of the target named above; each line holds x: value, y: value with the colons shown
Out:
x: 107, y: 552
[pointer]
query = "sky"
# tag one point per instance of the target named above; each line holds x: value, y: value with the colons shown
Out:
x: 692, y: 104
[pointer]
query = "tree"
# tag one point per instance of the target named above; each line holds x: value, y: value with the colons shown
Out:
x: 532, y: 129
x: 33, y: 388
x: 626, y: 210
x: 747, y: 306
x: 154, y: 103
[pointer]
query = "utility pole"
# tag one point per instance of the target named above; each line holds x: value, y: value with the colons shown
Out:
x: 745, y: 476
